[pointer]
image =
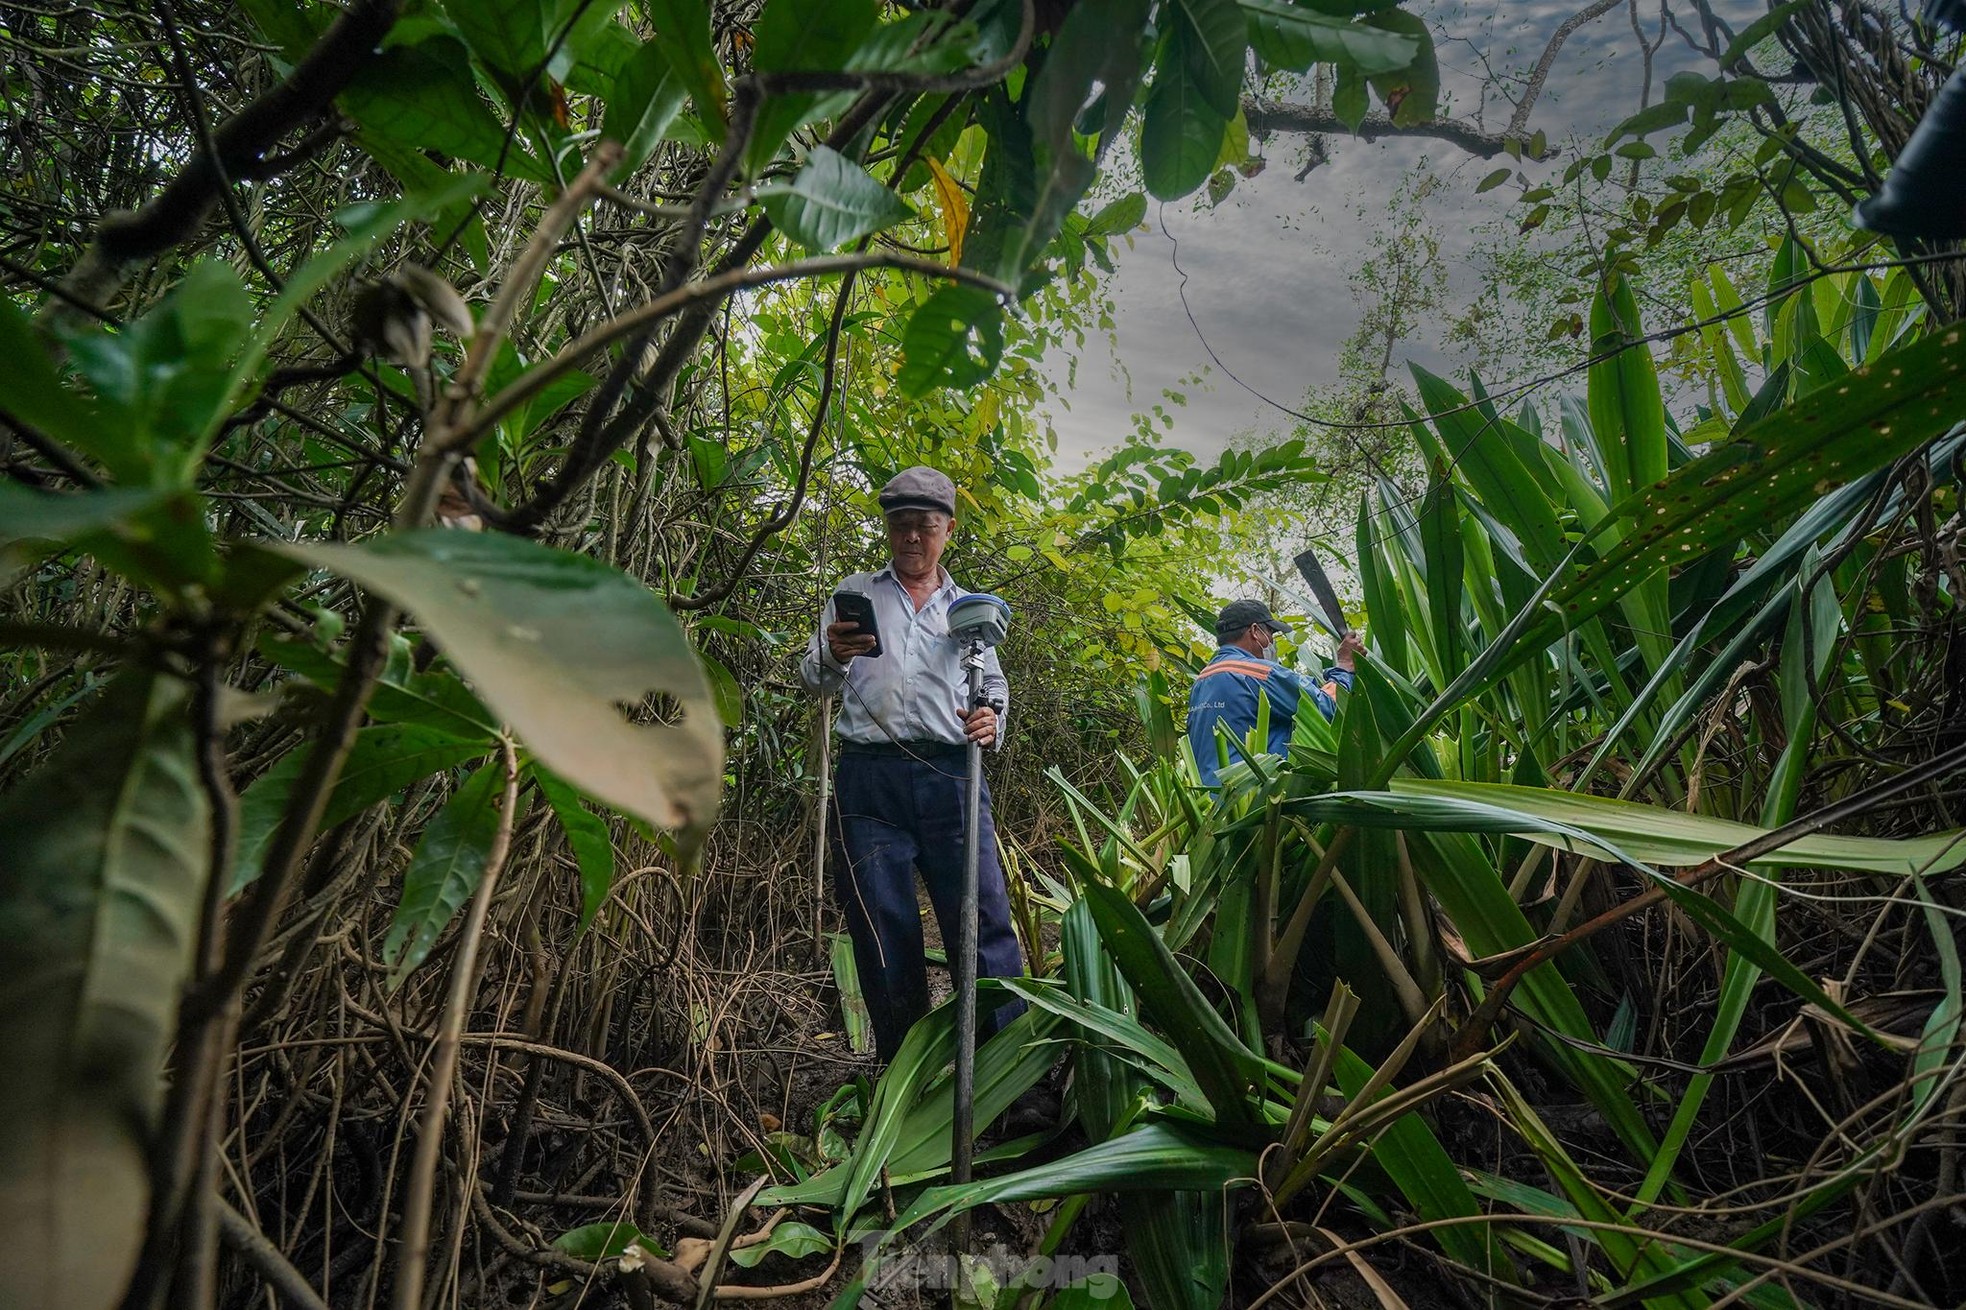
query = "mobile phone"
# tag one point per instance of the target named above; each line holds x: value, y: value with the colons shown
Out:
x: 852, y: 607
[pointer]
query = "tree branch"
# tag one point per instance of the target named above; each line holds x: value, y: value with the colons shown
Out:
x: 1519, y: 120
x: 238, y: 150
x: 1266, y: 116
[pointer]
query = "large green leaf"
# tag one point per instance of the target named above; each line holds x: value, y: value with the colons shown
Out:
x: 32, y: 393
x: 105, y: 853
x: 433, y: 699
x: 803, y: 36
x: 44, y: 517
x: 1292, y: 37
x: 1227, y: 1071
x: 508, y: 35
x: 1214, y: 40
x: 955, y: 339
x: 163, y: 380
x: 382, y: 762
x: 449, y: 862
x: 1657, y: 835
x: 587, y: 834
x: 1773, y: 468
x: 682, y: 30
x: 424, y: 97
x: 647, y: 95
x: 553, y: 642
x: 832, y: 201
x: 1181, y: 1246
x: 1159, y: 1157
x: 1181, y: 135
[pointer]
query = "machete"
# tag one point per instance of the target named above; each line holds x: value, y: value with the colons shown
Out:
x: 1327, y: 599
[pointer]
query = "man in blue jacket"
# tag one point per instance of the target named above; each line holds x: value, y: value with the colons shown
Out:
x: 1245, y: 668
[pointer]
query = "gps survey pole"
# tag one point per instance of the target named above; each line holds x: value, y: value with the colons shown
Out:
x: 977, y: 621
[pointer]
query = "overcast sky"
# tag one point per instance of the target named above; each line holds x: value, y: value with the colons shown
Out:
x: 1266, y: 272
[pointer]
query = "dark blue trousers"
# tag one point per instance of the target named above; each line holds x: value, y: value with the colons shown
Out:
x: 895, y: 814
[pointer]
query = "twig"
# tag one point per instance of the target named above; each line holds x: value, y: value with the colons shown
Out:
x: 238, y: 1233
x: 781, y: 520
x: 709, y: 290
x: 417, y: 1196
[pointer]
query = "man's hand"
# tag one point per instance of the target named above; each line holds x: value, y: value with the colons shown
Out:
x: 1348, y: 648
x: 846, y: 640
x: 980, y: 726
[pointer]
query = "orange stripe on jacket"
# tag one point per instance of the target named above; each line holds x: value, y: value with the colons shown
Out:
x: 1260, y: 672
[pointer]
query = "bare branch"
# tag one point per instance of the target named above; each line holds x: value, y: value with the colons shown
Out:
x: 1266, y: 116
x: 1519, y: 120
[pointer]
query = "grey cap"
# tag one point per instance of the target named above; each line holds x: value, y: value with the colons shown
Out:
x: 1239, y: 614
x: 920, y: 487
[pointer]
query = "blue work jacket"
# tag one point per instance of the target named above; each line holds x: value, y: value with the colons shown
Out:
x: 1225, y: 692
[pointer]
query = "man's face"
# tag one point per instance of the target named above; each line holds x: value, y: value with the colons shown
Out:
x: 915, y: 538
x: 1266, y: 640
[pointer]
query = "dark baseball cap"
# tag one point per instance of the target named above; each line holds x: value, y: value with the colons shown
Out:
x: 1239, y: 614
x: 919, y: 487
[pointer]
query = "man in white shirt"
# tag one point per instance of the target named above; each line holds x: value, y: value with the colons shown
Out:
x: 904, y: 725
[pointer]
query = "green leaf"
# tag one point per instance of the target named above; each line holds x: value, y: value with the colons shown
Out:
x: 1774, y: 467
x: 106, y: 853
x: 552, y: 642
x: 1656, y: 835
x: 832, y: 201
x: 55, y: 520
x: 1411, y: 93
x: 648, y: 94
x: 508, y: 35
x: 791, y: 1239
x: 587, y: 833
x: 1440, y: 528
x: 1349, y: 98
x: 1229, y: 1074
x: 803, y: 36
x: 382, y: 762
x: 1494, y: 180
x: 1181, y: 135
x: 1180, y: 1244
x: 449, y: 862
x: 955, y: 339
x: 1157, y: 1158
x: 725, y: 690
x: 1213, y: 38
x: 1652, y: 118
x: 164, y: 380
x: 434, y: 699
x: 424, y: 97
x: 1289, y: 36
x: 1095, y: 58
x: 1119, y: 217
x: 606, y: 1241
x: 682, y: 30
x: 32, y: 393
x: 1760, y: 30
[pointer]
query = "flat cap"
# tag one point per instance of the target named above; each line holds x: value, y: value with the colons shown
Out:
x: 920, y: 487
x: 1239, y: 614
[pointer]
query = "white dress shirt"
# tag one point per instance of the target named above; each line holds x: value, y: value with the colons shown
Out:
x: 916, y: 689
